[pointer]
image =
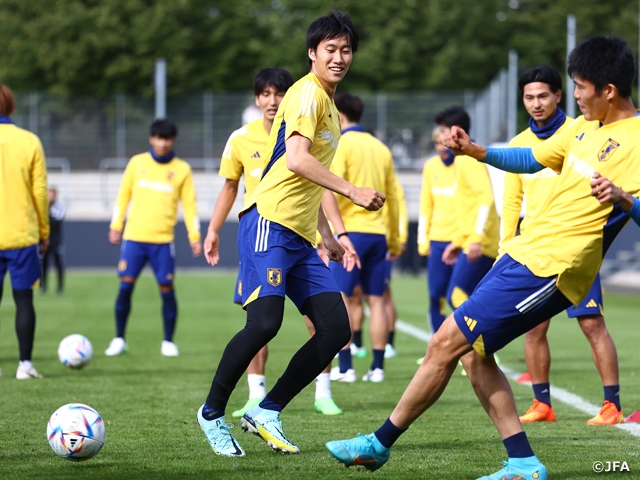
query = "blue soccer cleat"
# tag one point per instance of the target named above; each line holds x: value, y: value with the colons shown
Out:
x: 365, y: 450
x: 520, y: 469
x: 219, y: 437
x: 267, y: 425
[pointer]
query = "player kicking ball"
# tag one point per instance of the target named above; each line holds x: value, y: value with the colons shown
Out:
x: 544, y: 270
x: 151, y: 187
x: 275, y: 241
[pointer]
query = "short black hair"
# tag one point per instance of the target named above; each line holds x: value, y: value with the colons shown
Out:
x: 454, y: 115
x: 542, y: 74
x: 350, y: 106
x: 336, y: 24
x: 278, y: 78
x: 604, y: 60
x: 163, y: 128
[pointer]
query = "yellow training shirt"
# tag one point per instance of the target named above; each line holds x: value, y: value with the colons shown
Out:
x: 364, y: 161
x: 530, y: 184
x: 568, y: 236
x: 244, y: 154
x: 151, y: 190
x: 23, y: 189
x: 475, y: 208
x: 437, y: 220
x: 282, y: 196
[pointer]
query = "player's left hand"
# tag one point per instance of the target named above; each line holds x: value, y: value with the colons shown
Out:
x: 196, y: 248
x: 44, y: 245
x: 605, y: 191
x: 450, y: 254
x: 350, y: 258
x: 475, y: 252
x: 334, y: 249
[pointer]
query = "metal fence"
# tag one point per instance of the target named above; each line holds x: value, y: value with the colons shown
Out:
x: 90, y: 133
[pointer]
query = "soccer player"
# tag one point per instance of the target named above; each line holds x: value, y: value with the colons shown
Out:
x: 151, y: 187
x: 276, y: 236
x: 541, y: 89
x: 362, y: 159
x: 24, y: 223
x: 57, y: 212
x: 544, y: 270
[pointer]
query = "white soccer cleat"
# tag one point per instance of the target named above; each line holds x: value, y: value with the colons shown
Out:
x: 26, y: 373
x: 348, y: 377
x: 169, y: 349
x: 389, y: 351
x: 375, y: 376
x: 117, y: 347
x: 218, y: 435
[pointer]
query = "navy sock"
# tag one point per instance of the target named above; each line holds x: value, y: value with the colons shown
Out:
x: 169, y: 314
x: 210, y: 413
x: 357, y: 338
x: 518, y: 446
x: 388, y: 433
x: 269, y: 404
x: 123, y: 307
x: 542, y: 392
x: 390, y: 338
x: 344, y: 357
x: 378, y: 359
x: 612, y: 394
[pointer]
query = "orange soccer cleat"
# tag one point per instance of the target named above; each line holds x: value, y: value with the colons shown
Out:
x: 539, y: 412
x: 608, y: 415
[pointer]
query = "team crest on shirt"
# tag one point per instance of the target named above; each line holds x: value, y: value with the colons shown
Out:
x: 274, y: 276
x: 170, y: 175
x: 329, y: 138
x: 607, y: 150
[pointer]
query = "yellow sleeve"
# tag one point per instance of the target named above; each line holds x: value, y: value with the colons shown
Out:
x: 426, y: 210
x: 122, y: 202
x: 303, y: 111
x: 189, y: 207
x: 230, y: 164
x: 403, y: 216
x: 392, y: 203
x: 39, y: 190
x: 511, y: 207
x: 477, y: 178
x: 552, y: 152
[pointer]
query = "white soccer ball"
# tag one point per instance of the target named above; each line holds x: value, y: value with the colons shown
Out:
x: 75, y: 351
x: 76, y: 432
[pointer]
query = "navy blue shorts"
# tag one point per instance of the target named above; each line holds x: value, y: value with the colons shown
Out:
x: 508, y: 301
x: 275, y: 261
x: 23, y: 265
x: 592, y: 303
x: 134, y: 256
x: 372, y: 250
x: 465, y: 277
x: 388, y: 267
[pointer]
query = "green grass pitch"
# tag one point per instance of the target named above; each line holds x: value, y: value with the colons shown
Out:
x: 149, y: 402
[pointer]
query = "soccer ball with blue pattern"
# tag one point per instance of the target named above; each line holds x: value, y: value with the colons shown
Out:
x: 75, y: 351
x: 76, y: 432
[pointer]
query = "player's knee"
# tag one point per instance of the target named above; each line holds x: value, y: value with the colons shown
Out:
x: 129, y: 280
x: 329, y: 315
x: 264, y: 317
x: 166, y: 287
x: 593, y: 328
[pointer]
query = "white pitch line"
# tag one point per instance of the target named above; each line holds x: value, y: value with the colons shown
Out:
x: 557, y: 393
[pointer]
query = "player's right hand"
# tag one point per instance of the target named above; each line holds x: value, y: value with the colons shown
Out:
x: 368, y: 198
x: 115, y: 236
x: 211, y: 246
x: 44, y: 245
x: 450, y: 254
x: 457, y: 141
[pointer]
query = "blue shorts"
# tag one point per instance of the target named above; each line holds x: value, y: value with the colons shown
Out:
x: 465, y: 277
x: 237, y: 295
x: 23, y: 265
x: 592, y: 303
x: 388, y: 267
x: 372, y: 250
x: 134, y: 256
x: 508, y: 301
x: 275, y: 261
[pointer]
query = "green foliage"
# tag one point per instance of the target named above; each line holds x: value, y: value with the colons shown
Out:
x: 105, y: 46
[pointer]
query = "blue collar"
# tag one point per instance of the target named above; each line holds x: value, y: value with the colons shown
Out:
x: 550, y: 128
x: 164, y: 158
x: 449, y: 161
x: 5, y: 119
x: 355, y: 128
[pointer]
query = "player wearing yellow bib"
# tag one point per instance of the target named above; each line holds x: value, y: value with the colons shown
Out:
x: 24, y: 223
x: 362, y: 159
x: 275, y: 241
x: 544, y: 270
x: 152, y: 185
x: 541, y: 89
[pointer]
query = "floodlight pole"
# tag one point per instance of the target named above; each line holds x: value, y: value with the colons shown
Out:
x: 161, y: 87
x: 571, y: 44
x: 512, y: 95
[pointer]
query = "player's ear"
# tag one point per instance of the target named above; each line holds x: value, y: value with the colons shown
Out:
x: 558, y: 96
x: 257, y: 104
x: 610, y: 90
x: 312, y: 54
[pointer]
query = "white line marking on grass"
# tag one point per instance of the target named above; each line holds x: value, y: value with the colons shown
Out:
x: 557, y: 393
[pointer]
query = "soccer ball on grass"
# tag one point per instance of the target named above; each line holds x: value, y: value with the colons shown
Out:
x: 76, y: 432
x: 75, y: 351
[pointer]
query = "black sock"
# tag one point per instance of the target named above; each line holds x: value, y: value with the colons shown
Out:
x: 391, y: 338
x: 357, y: 338
x: 25, y: 322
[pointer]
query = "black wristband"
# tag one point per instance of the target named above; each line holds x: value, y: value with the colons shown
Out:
x: 343, y: 234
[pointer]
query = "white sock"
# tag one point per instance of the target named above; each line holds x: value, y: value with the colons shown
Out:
x: 323, y: 386
x: 257, y: 386
x: 26, y: 364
